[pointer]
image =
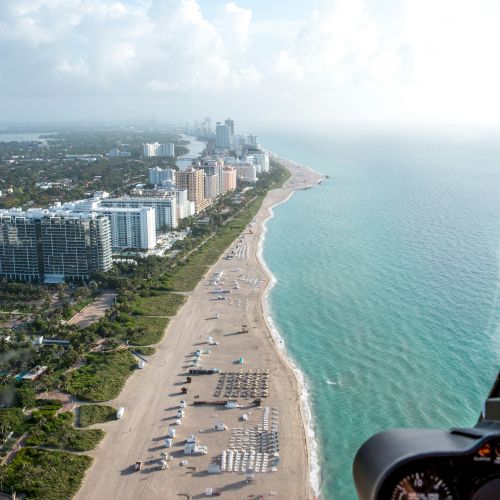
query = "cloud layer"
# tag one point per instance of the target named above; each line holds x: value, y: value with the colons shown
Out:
x: 343, y: 60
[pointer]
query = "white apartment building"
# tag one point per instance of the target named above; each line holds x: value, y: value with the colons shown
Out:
x: 185, y: 207
x: 165, y: 208
x: 156, y: 149
x: 157, y: 175
x: 260, y: 160
x: 131, y: 227
x: 246, y: 172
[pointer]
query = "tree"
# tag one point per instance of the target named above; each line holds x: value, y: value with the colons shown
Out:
x: 25, y: 395
x: 11, y: 420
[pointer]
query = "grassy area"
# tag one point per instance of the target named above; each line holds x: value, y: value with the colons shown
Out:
x: 280, y: 174
x: 185, y: 276
x: 158, y: 304
x: 58, y: 432
x: 103, y: 377
x: 43, y: 474
x: 96, y: 414
x: 144, y: 351
x: 70, y: 310
x: 142, y: 330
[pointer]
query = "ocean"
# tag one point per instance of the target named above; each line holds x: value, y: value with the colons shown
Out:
x: 387, y: 292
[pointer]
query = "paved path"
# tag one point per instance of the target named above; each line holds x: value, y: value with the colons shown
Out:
x: 95, y: 310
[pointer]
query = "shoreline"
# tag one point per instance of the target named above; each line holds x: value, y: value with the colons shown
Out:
x: 314, y: 469
x: 151, y: 396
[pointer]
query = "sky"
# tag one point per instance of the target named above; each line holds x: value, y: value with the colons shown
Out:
x: 282, y: 61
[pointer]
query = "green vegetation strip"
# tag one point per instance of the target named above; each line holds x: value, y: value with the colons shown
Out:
x: 42, y: 474
x: 144, y: 351
x: 103, y: 377
x: 58, y: 432
x: 157, y: 304
x: 185, y: 276
x: 144, y: 331
x: 96, y: 414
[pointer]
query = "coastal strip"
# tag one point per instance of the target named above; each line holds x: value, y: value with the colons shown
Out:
x: 231, y: 334
x: 311, y: 443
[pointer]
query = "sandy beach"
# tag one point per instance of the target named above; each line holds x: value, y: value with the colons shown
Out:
x: 269, y: 439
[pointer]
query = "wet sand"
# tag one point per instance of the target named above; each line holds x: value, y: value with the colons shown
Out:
x: 152, y: 395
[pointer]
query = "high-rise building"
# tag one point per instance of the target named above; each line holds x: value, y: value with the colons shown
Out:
x: 165, y: 208
x: 42, y: 246
x: 193, y: 180
x: 131, y: 227
x: 149, y: 149
x: 207, y: 125
x: 74, y: 245
x: 156, y: 149
x: 260, y: 159
x: 211, y: 167
x: 229, y: 179
x: 166, y: 149
x: 185, y: 207
x: 211, y: 186
x: 157, y: 175
x: 222, y: 136
x: 230, y: 124
x: 18, y: 246
x: 38, y: 245
x: 100, y: 243
x: 246, y: 171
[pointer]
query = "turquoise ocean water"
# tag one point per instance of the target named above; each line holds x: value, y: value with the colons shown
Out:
x: 387, y: 284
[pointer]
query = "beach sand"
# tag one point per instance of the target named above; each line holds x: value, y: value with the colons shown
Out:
x: 151, y: 396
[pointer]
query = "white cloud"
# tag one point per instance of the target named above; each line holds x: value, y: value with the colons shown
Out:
x: 429, y: 60
x: 165, y: 45
x: 416, y: 59
x: 233, y: 24
x: 339, y: 44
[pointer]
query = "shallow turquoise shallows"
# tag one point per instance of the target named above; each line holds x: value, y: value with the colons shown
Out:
x: 387, y: 275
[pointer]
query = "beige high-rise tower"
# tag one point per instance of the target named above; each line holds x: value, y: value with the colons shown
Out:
x: 194, y: 181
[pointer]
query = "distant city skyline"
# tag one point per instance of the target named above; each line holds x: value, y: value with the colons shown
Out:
x: 411, y: 61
